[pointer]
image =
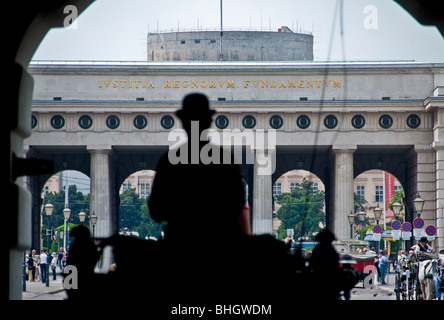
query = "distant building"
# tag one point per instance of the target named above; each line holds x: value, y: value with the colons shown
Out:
x: 283, y: 45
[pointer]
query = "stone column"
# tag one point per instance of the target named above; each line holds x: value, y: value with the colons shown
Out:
x: 439, y: 196
x: 343, y: 190
x: 264, y: 165
x: 100, y: 202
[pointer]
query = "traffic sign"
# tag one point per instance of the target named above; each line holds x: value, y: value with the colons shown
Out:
x: 406, y: 227
x: 430, y: 230
x: 418, y: 223
x: 377, y: 229
x: 396, y: 225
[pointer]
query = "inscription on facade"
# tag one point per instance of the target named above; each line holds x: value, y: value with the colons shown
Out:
x: 219, y: 83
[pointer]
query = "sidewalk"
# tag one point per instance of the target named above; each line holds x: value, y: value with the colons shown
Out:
x: 36, y: 290
x: 390, y: 286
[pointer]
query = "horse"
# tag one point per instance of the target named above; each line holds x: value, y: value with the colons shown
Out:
x: 426, y: 270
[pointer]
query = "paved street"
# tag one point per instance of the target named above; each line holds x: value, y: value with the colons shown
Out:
x: 380, y: 292
x: 37, y: 290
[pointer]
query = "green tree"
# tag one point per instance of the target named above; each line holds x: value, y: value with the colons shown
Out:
x: 301, y: 209
x: 134, y: 215
x: 77, y: 202
x: 399, y: 196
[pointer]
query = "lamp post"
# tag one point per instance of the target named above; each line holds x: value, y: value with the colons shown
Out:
x: 419, y: 204
x: 82, y: 216
x: 66, y: 214
x: 351, y: 220
x: 93, y: 219
x: 396, y: 208
x: 48, y: 210
x: 378, y: 212
x: 361, y: 216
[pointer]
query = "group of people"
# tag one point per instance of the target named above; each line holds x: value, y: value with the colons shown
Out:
x: 37, y: 264
x: 383, y: 262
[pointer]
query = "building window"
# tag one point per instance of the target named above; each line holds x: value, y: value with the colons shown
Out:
x: 358, y: 121
x: 303, y: 121
x: 57, y: 121
x: 360, y: 192
x: 113, y: 122
x: 167, y: 122
x: 385, y: 121
x: 294, y: 185
x: 144, y: 190
x: 222, y: 122
x: 315, y: 187
x: 413, y: 121
x: 379, y: 193
x: 277, y: 188
x: 276, y: 121
x: 126, y: 186
x: 249, y: 121
x: 330, y: 121
x: 398, y: 188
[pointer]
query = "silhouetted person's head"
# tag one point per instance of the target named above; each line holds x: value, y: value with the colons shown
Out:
x: 195, y: 107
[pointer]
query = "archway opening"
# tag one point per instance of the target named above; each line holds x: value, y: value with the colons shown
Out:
x: 68, y: 189
x: 134, y: 218
x: 298, y: 206
x: 376, y: 190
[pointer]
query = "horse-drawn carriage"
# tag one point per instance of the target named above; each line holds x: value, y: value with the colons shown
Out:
x: 415, y: 276
x: 364, y: 264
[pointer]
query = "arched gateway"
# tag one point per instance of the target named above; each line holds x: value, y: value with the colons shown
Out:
x: 336, y: 120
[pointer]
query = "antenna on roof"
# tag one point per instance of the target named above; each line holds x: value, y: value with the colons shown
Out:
x: 221, y: 31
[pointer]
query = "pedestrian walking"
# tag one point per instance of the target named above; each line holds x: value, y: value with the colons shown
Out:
x: 54, y: 266
x: 60, y: 257
x: 43, y: 263
x: 35, y: 271
x: 383, y: 266
x: 30, y: 263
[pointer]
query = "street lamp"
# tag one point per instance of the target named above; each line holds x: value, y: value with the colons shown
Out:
x: 48, y: 210
x: 396, y: 208
x: 378, y: 212
x: 93, y: 220
x: 66, y: 214
x: 419, y: 204
x: 351, y: 220
x: 82, y: 216
x: 361, y: 216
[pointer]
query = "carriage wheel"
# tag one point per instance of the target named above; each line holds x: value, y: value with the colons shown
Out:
x: 404, y: 290
x: 398, y: 287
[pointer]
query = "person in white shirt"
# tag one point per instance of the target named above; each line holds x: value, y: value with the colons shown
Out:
x: 43, y: 263
x: 54, y: 266
x: 423, y: 246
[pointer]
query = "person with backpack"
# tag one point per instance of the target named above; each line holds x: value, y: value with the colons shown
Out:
x: 31, y: 266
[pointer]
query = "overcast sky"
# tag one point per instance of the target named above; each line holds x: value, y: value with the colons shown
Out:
x: 372, y: 30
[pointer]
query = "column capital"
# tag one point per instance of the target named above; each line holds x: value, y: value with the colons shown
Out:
x: 99, y: 148
x: 436, y: 145
x: 347, y: 148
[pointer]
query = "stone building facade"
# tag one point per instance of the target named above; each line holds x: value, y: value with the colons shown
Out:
x: 335, y: 120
